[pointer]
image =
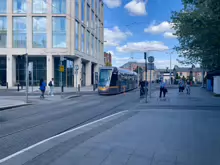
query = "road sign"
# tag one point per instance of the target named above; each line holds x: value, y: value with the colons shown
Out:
x: 61, y: 68
x: 150, y: 66
x: 150, y: 59
x: 76, y: 67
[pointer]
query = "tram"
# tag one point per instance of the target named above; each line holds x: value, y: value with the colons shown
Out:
x: 113, y: 80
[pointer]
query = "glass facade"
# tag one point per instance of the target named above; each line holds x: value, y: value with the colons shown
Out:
x: 76, y: 35
x: 92, y: 45
x: 82, y: 10
x: 39, y: 70
x: 59, y: 32
x: 19, y: 32
x: 93, y: 20
x: 88, y: 16
x: 3, y: 32
x: 39, y: 6
x: 39, y: 32
x: 19, y: 6
x: 77, y: 9
x: 59, y: 6
x: 3, y: 6
x: 87, y: 43
x: 82, y: 38
x: 93, y: 4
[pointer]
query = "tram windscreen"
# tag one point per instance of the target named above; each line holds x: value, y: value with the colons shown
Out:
x: 105, y: 77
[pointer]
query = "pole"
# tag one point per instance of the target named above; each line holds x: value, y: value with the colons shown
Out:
x: 138, y: 74
x: 61, y: 77
x: 26, y: 60
x: 76, y: 82
x: 170, y: 69
x: 145, y: 57
x: 203, y: 74
x: 32, y: 80
x: 150, y: 84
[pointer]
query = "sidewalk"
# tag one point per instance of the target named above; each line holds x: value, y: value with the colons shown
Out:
x: 7, y: 104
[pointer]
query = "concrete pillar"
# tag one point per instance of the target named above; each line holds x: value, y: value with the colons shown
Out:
x: 88, y: 73
x: 77, y: 78
x: 11, y: 70
x: 50, y: 67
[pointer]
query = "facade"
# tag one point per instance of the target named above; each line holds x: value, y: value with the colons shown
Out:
x: 47, y: 30
x: 107, y: 59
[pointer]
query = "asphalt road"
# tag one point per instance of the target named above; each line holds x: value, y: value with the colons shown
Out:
x: 24, y: 126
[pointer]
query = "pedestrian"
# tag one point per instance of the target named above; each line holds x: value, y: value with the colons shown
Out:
x: 51, y: 85
x: 42, y: 88
x: 163, y: 88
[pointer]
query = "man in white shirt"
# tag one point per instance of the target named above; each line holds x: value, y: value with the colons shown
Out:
x: 162, y: 88
x: 51, y: 85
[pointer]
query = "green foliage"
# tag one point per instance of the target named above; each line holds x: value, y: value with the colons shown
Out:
x: 198, y: 30
x: 136, y: 69
x: 108, y: 64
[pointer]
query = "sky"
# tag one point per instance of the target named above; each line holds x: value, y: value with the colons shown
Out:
x: 135, y: 26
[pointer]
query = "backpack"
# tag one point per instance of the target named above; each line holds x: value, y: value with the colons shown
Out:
x: 50, y: 83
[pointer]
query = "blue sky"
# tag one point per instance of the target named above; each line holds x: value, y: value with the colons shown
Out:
x: 135, y: 26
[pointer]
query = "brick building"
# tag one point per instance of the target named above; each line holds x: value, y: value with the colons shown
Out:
x: 107, y: 58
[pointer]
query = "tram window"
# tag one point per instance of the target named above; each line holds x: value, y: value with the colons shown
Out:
x: 114, y: 79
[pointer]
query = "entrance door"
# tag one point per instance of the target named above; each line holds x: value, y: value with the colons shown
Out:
x: 92, y: 74
x: 3, y: 71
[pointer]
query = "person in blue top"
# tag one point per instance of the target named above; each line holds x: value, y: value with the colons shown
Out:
x: 42, y: 87
x: 163, y: 88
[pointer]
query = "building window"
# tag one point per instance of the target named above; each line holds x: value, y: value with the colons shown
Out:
x: 97, y: 47
x: 59, y: 32
x: 93, y: 19
x: 19, y: 32
x: 88, y: 41
x: 77, y: 9
x: 39, y: 32
x: 19, y: 6
x: 40, y: 6
x: 94, y: 42
x: 82, y: 38
x: 98, y: 7
x: 92, y: 45
x: 77, y: 35
x: 88, y: 16
x: 3, y: 6
x: 59, y: 6
x: 93, y: 4
x: 96, y: 25
x: 82, y: 10
x: 3, y: 32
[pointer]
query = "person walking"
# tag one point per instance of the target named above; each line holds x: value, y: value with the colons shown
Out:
x: 42, y: 88
x: 51, y: 85
x: 163, y: 88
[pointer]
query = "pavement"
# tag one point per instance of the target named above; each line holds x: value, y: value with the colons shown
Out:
x: 114, y: 130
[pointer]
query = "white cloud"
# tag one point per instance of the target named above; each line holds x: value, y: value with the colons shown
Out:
x: 112, y: 3
x: 142, y: 47
x: 40, y: 6
x: 165, y: 27
x: 115, y: 36
x: 169, y: 35
x: 136, y: 7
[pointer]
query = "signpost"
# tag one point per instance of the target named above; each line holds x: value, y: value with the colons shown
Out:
x: 61, y: 69
x: 146, y: 90
x: 76, y: 72
x: 151, y: 67
x: 27, y: 75
x: 30, y: 70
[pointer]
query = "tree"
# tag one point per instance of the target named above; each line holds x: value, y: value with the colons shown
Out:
x: 197, y: 27
x: 108, y: 64
x: 136, y: 69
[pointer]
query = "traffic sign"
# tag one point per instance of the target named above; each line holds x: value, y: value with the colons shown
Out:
x: 150, y: 66
x: 61, y: 68
x: 151, y: 59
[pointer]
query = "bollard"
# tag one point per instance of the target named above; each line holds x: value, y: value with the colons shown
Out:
x: 62, y: 89
x: 94, y: 87
x: 78, y: 88
x: 18, y: 87
x: 7, y: 85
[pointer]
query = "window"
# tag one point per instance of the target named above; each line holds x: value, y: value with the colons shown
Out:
x: 3, y: 6
x: 98, y: 8
x: 88, y: 16
x: 59, y: 6
x: 92, y: 45
x: 19, y: 32
x: 82, y: 38
x: 19, y: 6
x: 77, y: 35
x: 96, y: 25
x: 93, y: 4
x: 94, y: 42
x: 40, y: 6
x: 82, y: 10
x: 93, y: 19
x: 88, y: 42
x: 39, y: 32
x: 59, y: 32
x: 77, y: 9
x: 3, y: 32
x: 97, y: 48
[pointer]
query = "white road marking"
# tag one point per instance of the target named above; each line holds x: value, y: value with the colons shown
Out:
x: 53, y: 137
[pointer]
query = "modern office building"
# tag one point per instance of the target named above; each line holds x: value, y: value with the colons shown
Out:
x: 48, y: 30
